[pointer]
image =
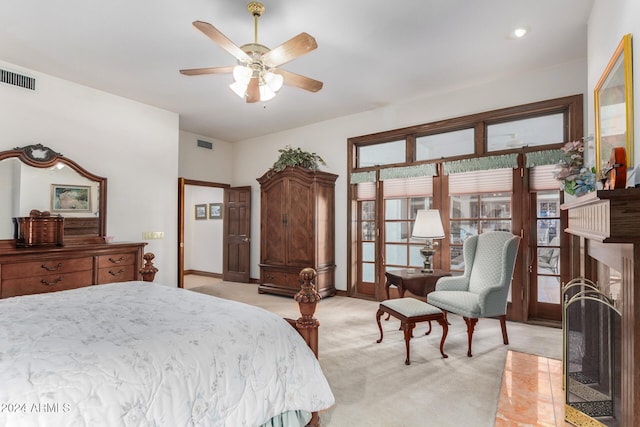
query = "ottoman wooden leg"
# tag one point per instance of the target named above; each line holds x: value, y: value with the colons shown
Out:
x: 378, y: 316
x: 445, y: 331
x: 408, y: 333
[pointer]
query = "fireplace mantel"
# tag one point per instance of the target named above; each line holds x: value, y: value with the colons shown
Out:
x: 605, y: 230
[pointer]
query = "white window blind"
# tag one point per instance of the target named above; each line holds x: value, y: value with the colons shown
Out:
x: 407, y: 187
x: 485, y: 181
x: 366, y: 191
x: 542, y: 178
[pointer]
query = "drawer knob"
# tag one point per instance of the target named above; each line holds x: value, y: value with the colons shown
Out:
x: 53, y: 282
x: 116, y: 273
x: 117, y: 261
x: 51, y: 268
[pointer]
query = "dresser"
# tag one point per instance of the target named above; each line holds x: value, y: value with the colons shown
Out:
x: 35, y: 270
x: 297, y: 230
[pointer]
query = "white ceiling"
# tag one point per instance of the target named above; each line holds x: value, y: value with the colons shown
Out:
x: 370, y: 52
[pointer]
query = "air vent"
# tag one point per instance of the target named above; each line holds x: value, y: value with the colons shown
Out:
x: 205, y: 144
x: 17, y: 80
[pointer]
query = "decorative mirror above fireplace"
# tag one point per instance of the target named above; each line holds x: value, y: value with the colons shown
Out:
x: 35, y: 177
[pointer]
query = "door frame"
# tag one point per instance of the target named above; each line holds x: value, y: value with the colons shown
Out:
x: 181, y: 184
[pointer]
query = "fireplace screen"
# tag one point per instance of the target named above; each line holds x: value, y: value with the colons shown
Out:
x: 591, y: 334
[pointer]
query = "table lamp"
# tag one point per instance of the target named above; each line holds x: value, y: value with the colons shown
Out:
x: 428, y: 226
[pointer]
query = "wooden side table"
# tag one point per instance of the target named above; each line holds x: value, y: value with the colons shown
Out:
x: 413, y: 280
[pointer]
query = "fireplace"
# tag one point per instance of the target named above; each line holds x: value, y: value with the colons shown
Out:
x: 601, y: 323
x: 591, y: 348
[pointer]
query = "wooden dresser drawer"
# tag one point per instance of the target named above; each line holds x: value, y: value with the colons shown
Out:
x: 106, y: 261
x: 45, y: 283
x: 285, y: 279
x: 116, y: 273
x: 39, y: 268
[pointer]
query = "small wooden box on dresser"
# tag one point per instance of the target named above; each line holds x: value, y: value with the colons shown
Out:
x: 297, y: 230
x: 35, y: 270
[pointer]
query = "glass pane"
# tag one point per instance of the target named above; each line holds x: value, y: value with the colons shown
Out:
x: 368, y: 230
x: 382, y: 154
x: 417, y: 203
x: 548, y: 204
x: 368, y: 210
x: 446, y: 144
x: 549, y: 289
x: 460, y: 230
x: 396, y: 254
x: 396, y: 232
x: 548, y: 231
x: 548, y: 261
x: 367, y: 273
x: 495, y: 205
x: 457, y: 260
x: 395, y: 209
x: 368, y: 251
x: 526, y: 132
x: 415, y: 258
x: 465, y: 206
x: 495, y: 226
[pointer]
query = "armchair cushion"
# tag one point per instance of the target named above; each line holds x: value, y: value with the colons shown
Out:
x: 460, y: 302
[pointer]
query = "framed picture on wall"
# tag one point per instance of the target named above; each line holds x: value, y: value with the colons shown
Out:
x: 70, y: 198
x: 201, y: 211
x: 215, y: 210
x: 613, y: 98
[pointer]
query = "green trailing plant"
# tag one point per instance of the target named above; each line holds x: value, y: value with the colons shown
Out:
x: 292, y: 157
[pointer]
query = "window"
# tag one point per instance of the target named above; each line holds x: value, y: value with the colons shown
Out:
x: 386, y: 153
x: 459, y: 156
x: 530, y: 132
x: 446, y: 144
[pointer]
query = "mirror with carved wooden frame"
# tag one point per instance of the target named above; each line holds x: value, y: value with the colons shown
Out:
x: 30, y: 175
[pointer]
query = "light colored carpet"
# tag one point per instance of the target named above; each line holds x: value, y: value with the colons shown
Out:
x: 372, y: 385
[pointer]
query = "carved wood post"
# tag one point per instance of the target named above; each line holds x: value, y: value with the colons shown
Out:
x: 307, y: 299
x: 307, y: 325
x: 149, y: 270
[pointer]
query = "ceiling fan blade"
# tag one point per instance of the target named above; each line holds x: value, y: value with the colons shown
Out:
x: 300, y: 45
x: 302, y: 82
x: 253, y: 90
x: 209, y: 70
x: 214, y: 34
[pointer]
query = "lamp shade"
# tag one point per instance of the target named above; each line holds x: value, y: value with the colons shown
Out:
x: 428, y: 225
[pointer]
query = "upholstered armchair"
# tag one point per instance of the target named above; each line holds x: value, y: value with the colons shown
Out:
x: 482, y: 290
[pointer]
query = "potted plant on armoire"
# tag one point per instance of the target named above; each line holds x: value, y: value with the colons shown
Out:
x: 297, y: 223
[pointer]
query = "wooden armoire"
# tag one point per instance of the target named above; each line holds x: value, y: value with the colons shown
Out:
x: 297, y: 229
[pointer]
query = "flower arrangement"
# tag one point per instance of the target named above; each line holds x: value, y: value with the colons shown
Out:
x: 575, y: 177
x: 296, y: 157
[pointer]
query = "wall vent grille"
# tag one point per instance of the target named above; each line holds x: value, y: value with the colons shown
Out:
x: 17, y: 80
x: 205, y: 144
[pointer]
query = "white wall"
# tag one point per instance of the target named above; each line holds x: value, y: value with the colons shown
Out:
x: 609, y: 21
x: 202, y: 238
x: 135, y: 146
x: 255, y: 156
x: 203, y: 164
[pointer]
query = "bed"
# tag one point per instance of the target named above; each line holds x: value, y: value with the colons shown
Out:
x: 143, y: 354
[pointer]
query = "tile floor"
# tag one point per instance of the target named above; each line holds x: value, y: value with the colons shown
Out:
x: 531, y: 393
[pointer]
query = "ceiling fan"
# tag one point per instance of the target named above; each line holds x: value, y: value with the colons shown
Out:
x: 256, y: 76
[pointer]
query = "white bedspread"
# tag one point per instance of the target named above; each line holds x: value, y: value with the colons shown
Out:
x: 142, y: 354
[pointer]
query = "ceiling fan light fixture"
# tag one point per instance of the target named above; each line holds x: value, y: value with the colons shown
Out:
x: 242, y: 74
x: 239, y: 89
x: 266, y: 93
x: 273, y: 81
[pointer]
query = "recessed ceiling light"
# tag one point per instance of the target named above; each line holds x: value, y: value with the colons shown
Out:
x: 519, y: 33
